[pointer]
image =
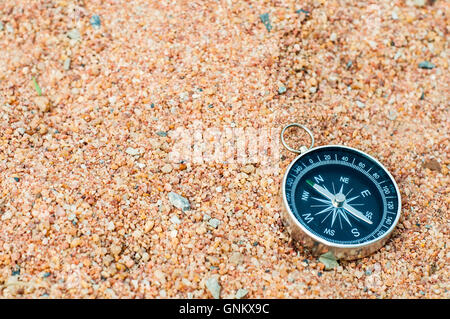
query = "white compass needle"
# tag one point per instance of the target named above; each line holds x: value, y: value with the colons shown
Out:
x: 356, y: 213
x: 323, y: 191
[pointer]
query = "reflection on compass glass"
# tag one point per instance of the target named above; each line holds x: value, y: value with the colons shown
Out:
x: 341, y: 195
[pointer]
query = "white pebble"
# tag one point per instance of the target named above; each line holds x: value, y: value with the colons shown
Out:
x: 360, y: 104
x: 132, y: 151
x: 7, y: 215
x: 333, y: 37
x: 214, y: 222
x: 110, y: 226
x: 175, y: 220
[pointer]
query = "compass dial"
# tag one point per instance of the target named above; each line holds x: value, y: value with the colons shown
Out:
x: 341, y: 197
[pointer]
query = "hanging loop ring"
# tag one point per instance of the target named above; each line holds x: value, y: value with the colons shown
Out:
x: 302, y: 148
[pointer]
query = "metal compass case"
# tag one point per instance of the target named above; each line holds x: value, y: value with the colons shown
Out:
x: 338, y: 199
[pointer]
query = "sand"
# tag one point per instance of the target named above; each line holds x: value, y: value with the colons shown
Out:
x: 86, y: 165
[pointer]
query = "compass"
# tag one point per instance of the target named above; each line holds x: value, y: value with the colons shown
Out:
x: 339, y: 199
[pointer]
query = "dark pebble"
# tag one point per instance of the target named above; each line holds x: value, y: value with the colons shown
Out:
x: 95, y: 21
x: 161, y: 133
x: 422, y: 96
x: 432, y: 164
x: 301, y: 10
x: 266, y: 21
x: 426, y: 65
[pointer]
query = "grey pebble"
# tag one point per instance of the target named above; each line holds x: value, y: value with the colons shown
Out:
x: 419, y: 3
x: 213, y: 286
x: 2, y: 27
x: 282, y: 89
x: 66, y: 65
x: 175, y: 220
x: 74, y: 34
x: 132, y: 151
x: 9, y: 28
x: 392, y: 115
x: 214, y: 222
x: 241, y: 293
x: 360, y: 104
x: 161, y: 133
x: 236, y: 258
x: 179, y: 201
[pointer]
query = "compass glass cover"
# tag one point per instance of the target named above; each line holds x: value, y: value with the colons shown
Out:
x: 341, y: 195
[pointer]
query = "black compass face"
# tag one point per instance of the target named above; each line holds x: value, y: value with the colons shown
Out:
x: 341, y: 196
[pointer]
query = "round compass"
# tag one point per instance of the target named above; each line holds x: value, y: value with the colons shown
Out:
x: 340, y: 199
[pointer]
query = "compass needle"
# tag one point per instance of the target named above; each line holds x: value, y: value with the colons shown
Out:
x: 321, y: 200
x: 356, y: 213
x: 323, y: 191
